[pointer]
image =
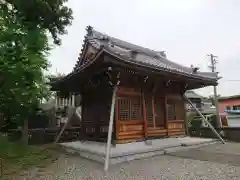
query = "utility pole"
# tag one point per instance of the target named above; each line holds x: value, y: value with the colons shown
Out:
x: 213, y: 68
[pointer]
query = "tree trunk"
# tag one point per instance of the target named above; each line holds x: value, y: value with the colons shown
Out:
x: 25, y: 132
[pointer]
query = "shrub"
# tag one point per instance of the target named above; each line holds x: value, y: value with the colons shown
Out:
x: 196, y: 124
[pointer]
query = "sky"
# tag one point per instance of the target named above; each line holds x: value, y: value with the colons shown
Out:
x: 187, y: 30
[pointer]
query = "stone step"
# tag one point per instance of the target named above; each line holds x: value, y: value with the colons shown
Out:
x: 118, y: 157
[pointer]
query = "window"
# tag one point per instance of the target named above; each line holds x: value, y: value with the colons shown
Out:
x: 236, y: 107
x: 130, y: 109
x: 197, y: 105
x: 171, y: 110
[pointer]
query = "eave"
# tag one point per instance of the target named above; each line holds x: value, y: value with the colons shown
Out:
x: 116, y: 59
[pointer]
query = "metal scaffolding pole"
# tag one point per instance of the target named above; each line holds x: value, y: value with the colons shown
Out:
x: 110, y: 128
x: 204, y: 119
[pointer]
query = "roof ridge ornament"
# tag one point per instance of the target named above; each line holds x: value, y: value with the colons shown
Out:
x: 162, y: 53
x: 89, y: 30
x: 110, y: 43
x: 194, y: 69
x: 133, y: 53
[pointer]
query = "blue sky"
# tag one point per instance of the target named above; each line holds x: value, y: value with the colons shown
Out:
x: 187, y: 30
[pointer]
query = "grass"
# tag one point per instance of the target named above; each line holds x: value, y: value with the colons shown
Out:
x: 17, y: 157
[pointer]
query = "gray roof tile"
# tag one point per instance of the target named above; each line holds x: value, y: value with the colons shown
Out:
x: 142, y: 56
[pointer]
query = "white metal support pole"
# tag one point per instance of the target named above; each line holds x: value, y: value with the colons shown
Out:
x: 205, y: 120
x: 70, y: 100
x: 110, y: 128
x: 73, y: 100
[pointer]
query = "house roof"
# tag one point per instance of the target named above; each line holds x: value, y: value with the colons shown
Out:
x: 142, y: 56
x: 229, y: 97
x: 192, y: 94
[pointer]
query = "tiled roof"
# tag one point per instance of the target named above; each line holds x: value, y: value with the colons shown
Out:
x: 142, y: 56
x: 192, y: 94
x: 229, y: 97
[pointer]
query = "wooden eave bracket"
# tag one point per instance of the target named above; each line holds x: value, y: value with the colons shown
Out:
x: 110, y: 79
x: 145, y: 79
x: 167, y: 83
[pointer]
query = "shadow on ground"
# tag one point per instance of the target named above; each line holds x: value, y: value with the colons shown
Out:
x: 228, y: 153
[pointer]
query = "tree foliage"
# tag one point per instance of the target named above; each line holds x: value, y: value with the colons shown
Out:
x: 24, y: 47
x: 51, y: 15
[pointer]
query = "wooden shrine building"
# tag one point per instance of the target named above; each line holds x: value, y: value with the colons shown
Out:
x: 149, y: 90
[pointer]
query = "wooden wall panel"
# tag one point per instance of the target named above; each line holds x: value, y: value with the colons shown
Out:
x: 156, y: 132
x: 180, y: 110
x: 176, y: 128
x: 149, y: 110
x: 130, y: 130
x: 129, y: 116
x: 159, y: 110
x: 126, y: 91
x: 176, y: 124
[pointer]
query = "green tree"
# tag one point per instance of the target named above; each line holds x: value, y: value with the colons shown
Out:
x: 24, y: 47
x: 51, y: 15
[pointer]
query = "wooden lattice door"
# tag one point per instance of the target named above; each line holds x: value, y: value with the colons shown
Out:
x: 129, y: 118
x: 129, y: 108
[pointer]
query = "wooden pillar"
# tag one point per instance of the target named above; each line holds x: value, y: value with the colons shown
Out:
x: 117, y: 123
x: 154, y: 113
x: 114, y: 133
x: 166, y: 113
x: 144, y: 113
x: 70, y: 99
x: 63, y: 101
x: 185, y: 116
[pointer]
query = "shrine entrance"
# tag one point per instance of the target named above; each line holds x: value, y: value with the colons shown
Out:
x: 156, y: 116
x: 129, y: 115
x: 139, y: 115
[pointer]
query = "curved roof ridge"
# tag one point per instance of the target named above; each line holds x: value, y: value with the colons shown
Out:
x: 154, y: 58
x: 126, y: 45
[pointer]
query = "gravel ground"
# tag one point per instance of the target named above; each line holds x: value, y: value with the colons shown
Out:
x: 225, y: 154
x: 161, y: 167
x: 166, y: 167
